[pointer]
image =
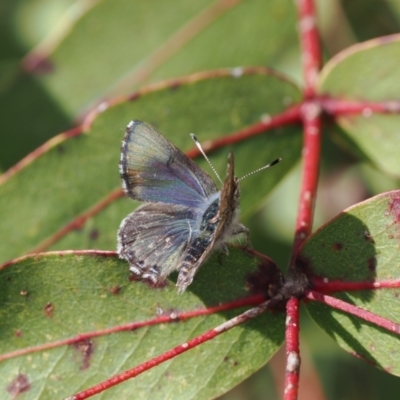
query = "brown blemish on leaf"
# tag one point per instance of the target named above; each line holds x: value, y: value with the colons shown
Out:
x: 116, y: 289
x: 372, y: 264
x: 134, y: 96
x: 368, y: 237
x: 18, y: 333
x: 175, y: 85
x: 38, y: 64
x: 85, y: 348
x: 19, y: 385
x: 266, y: 280
x: 61, y: 149
x: 337, y: 246
x: 394, y: 207
x: 48, y: 310
x: 94, y: 234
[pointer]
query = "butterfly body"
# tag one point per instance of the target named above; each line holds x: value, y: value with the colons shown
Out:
x: 184, y: 216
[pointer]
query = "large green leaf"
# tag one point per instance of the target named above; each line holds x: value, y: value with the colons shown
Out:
x: 78, y: 290
x: 103, y: 48
x: 76, y: 174
x: 358, y: 73
x: 360, y: 245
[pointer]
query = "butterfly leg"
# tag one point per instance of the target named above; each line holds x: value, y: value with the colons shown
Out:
x: 239, y: 229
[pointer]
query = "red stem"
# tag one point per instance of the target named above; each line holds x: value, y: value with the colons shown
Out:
x: 309, y: 42
x: 337, y: 107
x: 292, y: 349
x: 322, y: 286
x: 240, y: 319
x: 354, y: 310
x: 172, y: 317
x: 289, y: 116
x: 311, y: 111
x: 311, y: 157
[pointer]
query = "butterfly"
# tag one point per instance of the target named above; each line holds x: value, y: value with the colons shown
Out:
x: 184, y: 215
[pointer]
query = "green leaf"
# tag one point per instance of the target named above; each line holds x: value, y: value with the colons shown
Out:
x: 358, y: 73
x: 78, y: 290
x: 75, y: 175
x: 109, y: 47
x: 360, y: 245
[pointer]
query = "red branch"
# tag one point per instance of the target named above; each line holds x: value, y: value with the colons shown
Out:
x: 354, y: 310
x: 79, y: 221
x: 289, y: 116
x: 309, y: 42
x: 311, y: 157
x: 324, y: 286
x: 171, y: 317
x: 211, y: 334
x: 292, y: 349
x: 337, y: 107
x: 310, y: 111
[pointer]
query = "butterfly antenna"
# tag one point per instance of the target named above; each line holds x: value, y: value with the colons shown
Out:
x: 262, y: 168
x: 204, y: 155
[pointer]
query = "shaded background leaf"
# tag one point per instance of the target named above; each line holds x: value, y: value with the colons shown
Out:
x: 112, y: 46
x: 358, y: 74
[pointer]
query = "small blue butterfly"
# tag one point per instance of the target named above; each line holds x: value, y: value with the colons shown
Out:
x: 184, y: 216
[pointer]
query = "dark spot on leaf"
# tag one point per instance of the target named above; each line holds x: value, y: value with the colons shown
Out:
x: 8, y: 279
x: 175, y: 85
x: 337, y: 246
x: 372, y: 264
x: 61, y: 149
x: 116, y: 290
x: 19, y: 385
x: 94, y: 234
x: 85, y: 347
x: 394, y: 207
x: 368, y: 237
x: 390, y: 236
x: 236, y: 363
x: 266, y: 280
x: 396, y: 295
x: 38, y: 64
x: 226, y: 358
x: 134, y: 96
x: 18, y: 333
x: 48, y: 310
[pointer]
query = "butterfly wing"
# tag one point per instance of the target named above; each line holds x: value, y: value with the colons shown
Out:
x: 154, y: 170
x: 154, y: 238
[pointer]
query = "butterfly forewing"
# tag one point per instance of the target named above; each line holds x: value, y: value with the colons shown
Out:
x: 154, y: 170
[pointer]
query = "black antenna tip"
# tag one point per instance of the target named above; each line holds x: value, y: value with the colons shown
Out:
x: 275, y: 162
x: 193, y: 136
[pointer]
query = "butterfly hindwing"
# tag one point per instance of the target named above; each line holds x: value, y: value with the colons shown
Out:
x: 154, y: 239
